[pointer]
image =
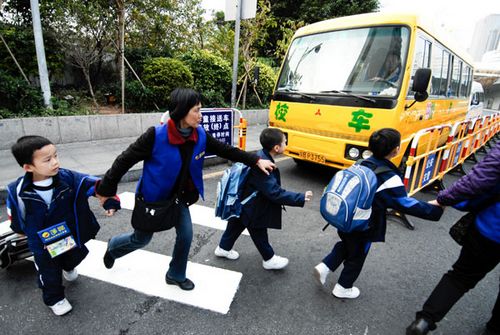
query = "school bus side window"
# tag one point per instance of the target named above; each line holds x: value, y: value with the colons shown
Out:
x: 466, y: 82
x: 455, y: 78
x: 446, y: 73
x: 420, y: 60
x: 438, y: 71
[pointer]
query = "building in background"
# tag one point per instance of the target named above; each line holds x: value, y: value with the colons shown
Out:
x: 485, y: 50
x: 486, y: 37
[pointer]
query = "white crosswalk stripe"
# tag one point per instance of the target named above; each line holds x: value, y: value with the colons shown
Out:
x: 144, y: 271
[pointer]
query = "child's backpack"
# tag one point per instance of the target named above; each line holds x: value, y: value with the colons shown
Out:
x: 13, y: 247
x: 229, y: 191
x: 347, y: 201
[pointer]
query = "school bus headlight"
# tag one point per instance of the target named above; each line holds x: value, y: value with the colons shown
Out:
x: 366, y: 154
x: 353, y: 153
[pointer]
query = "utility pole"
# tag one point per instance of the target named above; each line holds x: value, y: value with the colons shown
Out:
x: 40, y: 54
x: 121, y: 31
x: 236, y: 51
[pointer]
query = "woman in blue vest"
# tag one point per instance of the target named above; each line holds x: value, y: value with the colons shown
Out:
x: 173, y: 156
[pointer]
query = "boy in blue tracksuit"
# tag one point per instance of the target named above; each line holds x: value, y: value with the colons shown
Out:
x: 50, y: 206
x: 353, y: 247
x: 264, y: 210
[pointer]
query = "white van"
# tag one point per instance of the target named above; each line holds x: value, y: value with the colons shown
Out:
x: 476, y: 102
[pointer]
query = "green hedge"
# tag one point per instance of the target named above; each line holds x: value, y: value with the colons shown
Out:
x: 18, y: 98
x: 162, y: 75
x: 212, y: 76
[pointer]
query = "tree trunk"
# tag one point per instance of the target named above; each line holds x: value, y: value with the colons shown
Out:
x: 86, y: 73
x: 120, y: 4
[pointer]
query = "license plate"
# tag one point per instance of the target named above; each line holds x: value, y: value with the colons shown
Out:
x: 310, y: 156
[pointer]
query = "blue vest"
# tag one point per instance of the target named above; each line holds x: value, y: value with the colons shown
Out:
x: 160, y: 172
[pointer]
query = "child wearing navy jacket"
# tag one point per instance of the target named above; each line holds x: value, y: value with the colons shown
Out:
x: 264, y: 210
x: 353, y: 248
x: 50, y: 206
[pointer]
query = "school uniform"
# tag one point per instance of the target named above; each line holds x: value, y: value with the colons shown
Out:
x: 30, y: 214
x: 263, y: 211
x: 391, y: 193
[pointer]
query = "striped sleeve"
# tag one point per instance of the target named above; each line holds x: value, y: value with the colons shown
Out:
x: 393, y: 194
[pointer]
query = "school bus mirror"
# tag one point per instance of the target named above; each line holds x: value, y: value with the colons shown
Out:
x: 421, y: 81
x: 421, y: 96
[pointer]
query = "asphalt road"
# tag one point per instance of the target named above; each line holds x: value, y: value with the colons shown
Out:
x: 397, y: 278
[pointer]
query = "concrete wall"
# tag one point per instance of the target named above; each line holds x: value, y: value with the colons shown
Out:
x: 84, y: 128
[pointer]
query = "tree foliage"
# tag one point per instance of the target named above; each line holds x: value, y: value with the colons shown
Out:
x: 211, y: 74
x: 306, y: 12
x: 166, y: 25
x: 163, y: 75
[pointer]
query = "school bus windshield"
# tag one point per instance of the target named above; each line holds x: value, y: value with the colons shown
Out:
x: 363, y: 61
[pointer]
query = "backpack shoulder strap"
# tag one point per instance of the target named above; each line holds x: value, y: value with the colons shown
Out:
x: 20, y: 202
x: 381, y: 169
x: 377, y: 169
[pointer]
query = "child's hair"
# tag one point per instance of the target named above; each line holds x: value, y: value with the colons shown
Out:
x: 25, y: 147
x: 181, y: 101
x: 383, y: 141
x: 271, y: 137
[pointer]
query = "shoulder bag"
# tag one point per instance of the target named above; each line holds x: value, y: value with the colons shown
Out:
x: 155, y: 216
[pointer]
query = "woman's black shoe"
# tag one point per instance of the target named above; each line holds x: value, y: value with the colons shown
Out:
x: 418, y: 327
x: 108, y: 260
x: 186, y: 285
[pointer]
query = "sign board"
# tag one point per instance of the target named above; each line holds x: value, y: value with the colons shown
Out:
x: 248, y: 9
x: 457, y: 154
x: 429, y: 168
x: 218, y: 122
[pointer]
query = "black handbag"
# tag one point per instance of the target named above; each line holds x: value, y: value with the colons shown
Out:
x: 460, y: 228
x: 155, y: 216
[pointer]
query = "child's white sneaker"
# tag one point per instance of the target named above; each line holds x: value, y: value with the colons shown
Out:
x: 70, y: 275
x: 231, y: 254
x: 275, y: 263
x: 345, y: 293
x: 62, y: 307
x: 320, y: 273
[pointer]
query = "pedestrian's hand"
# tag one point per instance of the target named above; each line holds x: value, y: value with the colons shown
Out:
x: 308, y: 195
x: 110, y: 212
x: 102, y: 199
x: 266, y: 165
x: 435, y: 203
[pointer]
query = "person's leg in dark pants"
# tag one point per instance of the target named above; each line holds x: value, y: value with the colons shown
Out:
x: 123, y: 244
x: 233, y: 231
x: 184, y: 236
x: 356, y: 251
x: 70, y: 260
x: 477, y: 257
x: 49, y: 278
x: 336, y: 256
x: 261, y: 240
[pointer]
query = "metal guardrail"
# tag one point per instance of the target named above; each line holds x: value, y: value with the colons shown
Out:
x: 429, y: 159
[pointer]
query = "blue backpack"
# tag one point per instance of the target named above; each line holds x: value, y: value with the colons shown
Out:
x: 229, y: 190
x: 347, y: 201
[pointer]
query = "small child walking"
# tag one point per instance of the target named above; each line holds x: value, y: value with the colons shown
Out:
x: 50, y: 206
x: 264, y: 210
x: 353, y: 247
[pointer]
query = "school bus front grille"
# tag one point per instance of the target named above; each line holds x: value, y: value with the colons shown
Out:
x: 327, y: 133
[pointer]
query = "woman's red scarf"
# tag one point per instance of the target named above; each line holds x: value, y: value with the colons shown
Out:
x: 175, y: 137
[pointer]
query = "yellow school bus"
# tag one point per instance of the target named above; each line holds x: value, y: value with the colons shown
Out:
x: 343, y: 78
